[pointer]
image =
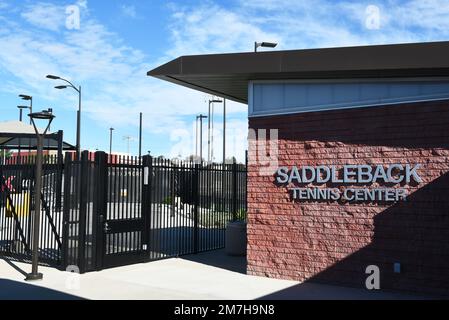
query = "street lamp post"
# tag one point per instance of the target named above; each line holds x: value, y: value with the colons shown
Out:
x: 30, y: 99
x: 21, y: 108
x: 224, y: 131
x: 140, y: 134
x: 201, y: 117
x: 110, y: 141
x: 48, y: 116
x: 78, y: 114
x: 210, y: 133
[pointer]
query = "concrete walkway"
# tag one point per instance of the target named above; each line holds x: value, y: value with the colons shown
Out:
x: 205, y: 276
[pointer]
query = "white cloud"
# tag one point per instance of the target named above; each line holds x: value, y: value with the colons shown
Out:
x: 213, y: 29
x: 45, y: 15
x: 113, y: 74
x: 129, y: 11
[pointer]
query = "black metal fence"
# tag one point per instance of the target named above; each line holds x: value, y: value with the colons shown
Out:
x: 17, y: 203
x: 102, y: 211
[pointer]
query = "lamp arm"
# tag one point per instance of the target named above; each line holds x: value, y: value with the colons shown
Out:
x: 71, y: 84
x: 48, y: 126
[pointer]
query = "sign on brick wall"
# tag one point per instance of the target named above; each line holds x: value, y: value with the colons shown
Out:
x: 390, y: 181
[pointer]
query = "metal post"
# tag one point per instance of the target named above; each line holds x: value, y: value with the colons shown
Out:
x: 31, y: 108
x: 140, y: 135
x: 224, y: 131
x: 234, y: 191
x: 34, y: 275
x: 66, y: 210
x: 20, y: 142
x: 208, y: 134
x: 196, y: 138
x: 201, y: 139
x: 212, y: 134
x: 60, y: 173
x: 110, y: 142
x: 78, y: 126
x: 83, y: 189
x: 196, y: 205
x: 100, y: 209
x: 146, y: 202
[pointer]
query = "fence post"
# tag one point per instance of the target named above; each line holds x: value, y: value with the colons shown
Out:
x: 234, y: 191
x: 100, y: 207
x: 146, y: 202
x: 196, y: 204
x: 60, y: 161
x: 66, y: 210
x: 82, y: 189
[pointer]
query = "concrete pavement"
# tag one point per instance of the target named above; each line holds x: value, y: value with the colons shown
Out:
x: 205, y: 276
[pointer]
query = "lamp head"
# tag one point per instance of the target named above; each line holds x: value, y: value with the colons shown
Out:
x: 43, y: 115
x: 269, y: 44
x: 52, y: 77
x: 61, y: 87
x: 25, y: 97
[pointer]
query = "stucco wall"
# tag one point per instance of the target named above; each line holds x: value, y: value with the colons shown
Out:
x: 335, y: 242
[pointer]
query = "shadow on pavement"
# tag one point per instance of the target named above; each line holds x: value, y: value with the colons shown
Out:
x: 317, y: 291
x: 219, y: 259
x: 13, y: 290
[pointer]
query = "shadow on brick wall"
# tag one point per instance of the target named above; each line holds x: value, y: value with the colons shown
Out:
x: 414, y: 233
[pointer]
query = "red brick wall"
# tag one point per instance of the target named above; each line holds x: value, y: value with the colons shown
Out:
x: 335, y: 242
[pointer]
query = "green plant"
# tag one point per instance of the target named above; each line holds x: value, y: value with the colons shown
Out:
x: 167, y: 200
x: 241, y: 215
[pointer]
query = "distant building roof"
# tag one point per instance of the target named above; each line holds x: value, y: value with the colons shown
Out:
x: 15, y: 134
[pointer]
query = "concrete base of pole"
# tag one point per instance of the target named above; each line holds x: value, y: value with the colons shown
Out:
x: 34, y: 277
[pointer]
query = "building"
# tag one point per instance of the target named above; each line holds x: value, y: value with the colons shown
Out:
x: 358, y: 174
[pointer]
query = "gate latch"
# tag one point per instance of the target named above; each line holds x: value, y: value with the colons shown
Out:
x: 106, y: 227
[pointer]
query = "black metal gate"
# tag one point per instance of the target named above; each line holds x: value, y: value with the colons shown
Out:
x: 102, y: 211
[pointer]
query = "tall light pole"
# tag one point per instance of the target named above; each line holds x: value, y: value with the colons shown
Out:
x: 47, y: 116
x: 30, y: 99
x: 224, y: 131
x: 264, y: 45
x: 128, y: 138
x: 201, y: 117
x: 110, y: 141
x: 140, y: 134
x: 78, y: 117
x: 21, y: 108
x: 210, y: 134
x: 196, y: 138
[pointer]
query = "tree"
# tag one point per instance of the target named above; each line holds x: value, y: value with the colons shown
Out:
x: 5, y: 154
x: 231, y: 160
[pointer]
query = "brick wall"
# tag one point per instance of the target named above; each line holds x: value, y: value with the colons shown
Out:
x: 335, y: 242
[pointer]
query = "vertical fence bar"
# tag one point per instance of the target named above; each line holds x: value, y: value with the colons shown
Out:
x: 234, y: 191
x: 100, y: 203
x: 66, y: 210
x: 146, y: 203
x: 196, y: 205
x: 82, y: 211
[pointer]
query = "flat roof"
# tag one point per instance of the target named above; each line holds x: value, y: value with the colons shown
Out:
x: 15, y: 134
x: 227, y: 75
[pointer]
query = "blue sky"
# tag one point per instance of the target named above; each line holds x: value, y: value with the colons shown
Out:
x: 118, y: 41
